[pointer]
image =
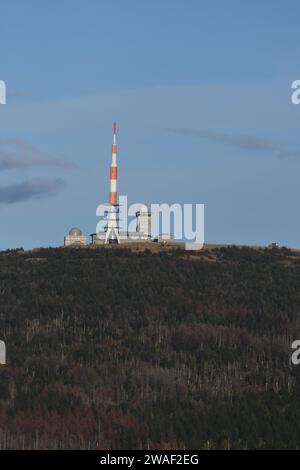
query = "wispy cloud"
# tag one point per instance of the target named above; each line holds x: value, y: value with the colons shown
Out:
x: 30, y: 189
x: 18, y: 94
x: 243, y: 141
x: 19, y: 154
x: 286, y: 155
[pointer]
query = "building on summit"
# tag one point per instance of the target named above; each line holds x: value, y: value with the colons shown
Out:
x: 75, y: 237
x: 112, y: 232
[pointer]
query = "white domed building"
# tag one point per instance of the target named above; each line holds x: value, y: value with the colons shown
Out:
x: 75, y: 238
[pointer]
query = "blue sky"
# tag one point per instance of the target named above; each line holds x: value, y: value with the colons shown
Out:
x: 201, y: 94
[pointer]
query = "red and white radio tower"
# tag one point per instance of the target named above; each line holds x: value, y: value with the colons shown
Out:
x: 112, y: 228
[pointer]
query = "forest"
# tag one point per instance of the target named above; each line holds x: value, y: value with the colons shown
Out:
x: 120, y: 349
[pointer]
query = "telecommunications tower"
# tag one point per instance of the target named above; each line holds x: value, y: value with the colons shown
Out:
x: 112, y: 214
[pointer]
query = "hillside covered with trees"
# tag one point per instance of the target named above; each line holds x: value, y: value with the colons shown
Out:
x: 115, y: 349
